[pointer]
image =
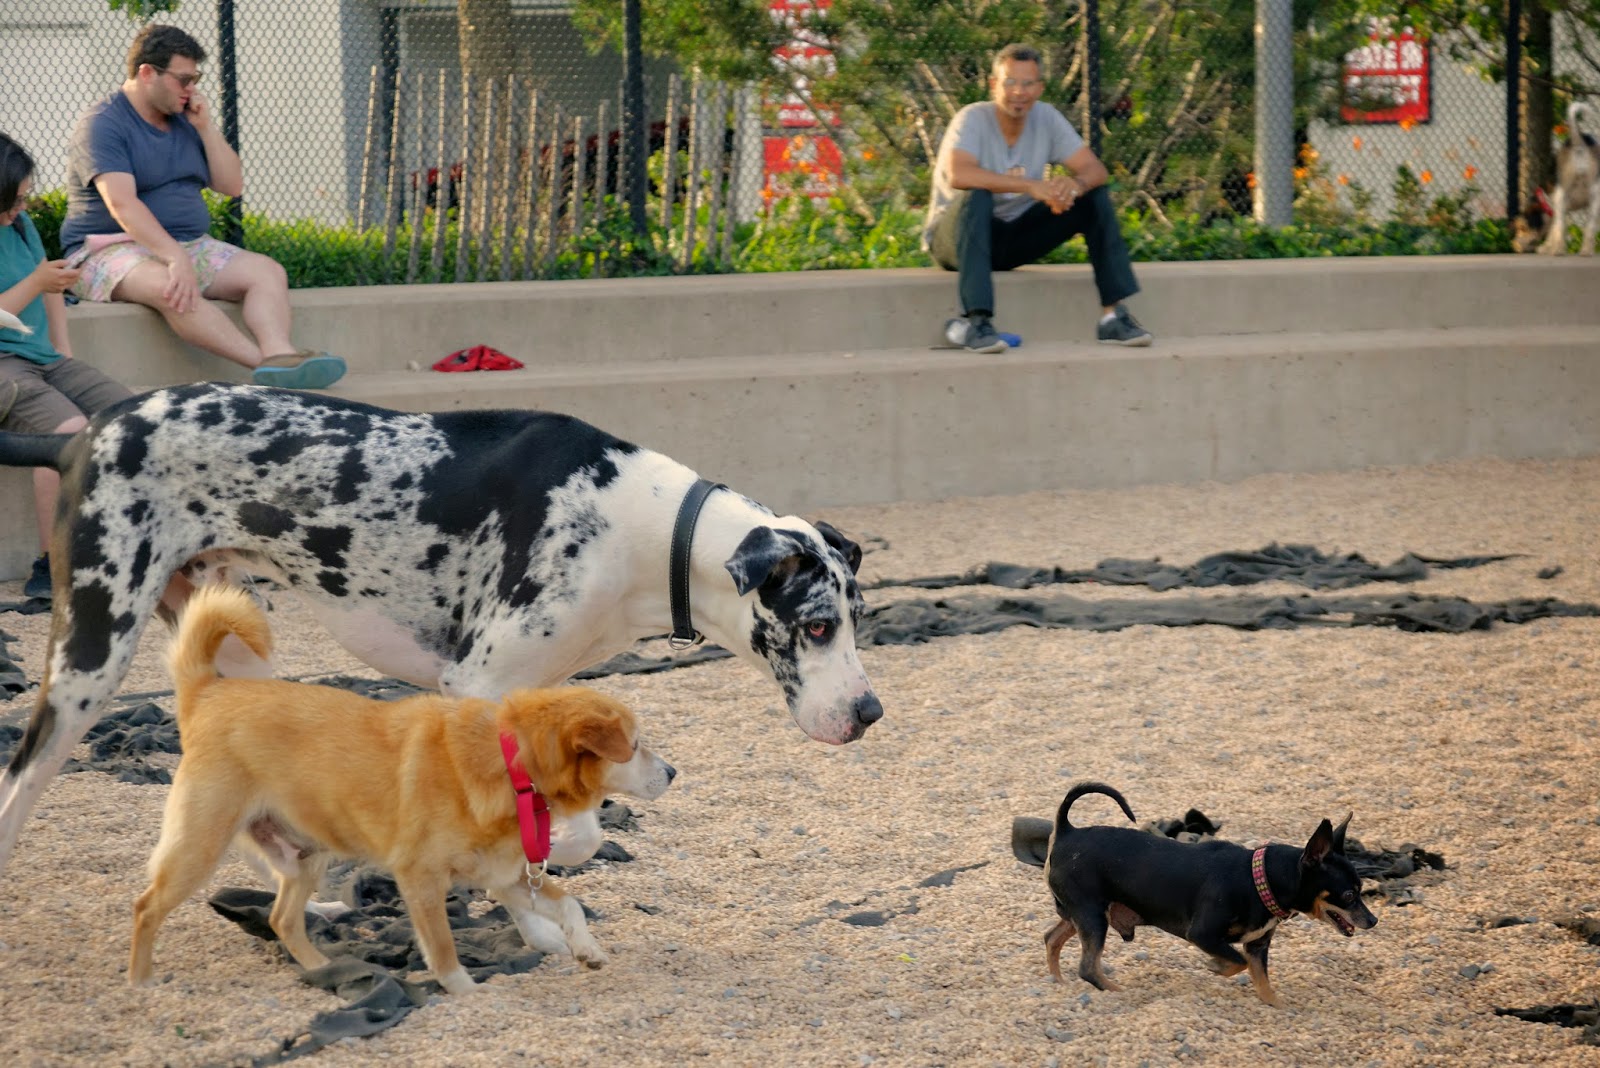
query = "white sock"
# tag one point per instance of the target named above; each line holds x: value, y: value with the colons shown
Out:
x: 1108, y: 316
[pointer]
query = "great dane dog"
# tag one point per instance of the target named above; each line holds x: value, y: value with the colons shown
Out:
x: 473, y: 551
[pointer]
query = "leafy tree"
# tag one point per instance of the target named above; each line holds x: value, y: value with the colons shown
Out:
x: 1177, y: 78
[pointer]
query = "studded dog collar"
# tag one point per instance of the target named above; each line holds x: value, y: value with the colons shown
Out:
x: 1258, y: 870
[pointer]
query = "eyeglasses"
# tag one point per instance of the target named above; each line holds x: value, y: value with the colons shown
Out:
x: 1022, y: 83
x: 183, y: 80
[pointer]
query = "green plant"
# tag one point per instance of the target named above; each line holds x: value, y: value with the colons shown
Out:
x: 797, y: 233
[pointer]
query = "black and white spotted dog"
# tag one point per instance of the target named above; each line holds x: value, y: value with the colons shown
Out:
x: 473, y: 551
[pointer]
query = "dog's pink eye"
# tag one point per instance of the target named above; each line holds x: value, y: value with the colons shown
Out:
x: 819, y: 630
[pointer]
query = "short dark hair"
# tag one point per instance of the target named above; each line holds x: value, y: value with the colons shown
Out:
x: 15, y: 168
x: 1016, y: 53
x: 157, y: 43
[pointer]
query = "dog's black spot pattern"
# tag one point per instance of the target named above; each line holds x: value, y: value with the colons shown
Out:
x: 265, y: 520
x: 280, y: 449
x: 333, y: 582
x: 197, y: 507
x: 248, y: 414
x: 328, y: 545
x: 436, y: 553
x: 134, y: 447
x: 352, y: 475
x: 209, y: 414
x: 40, y: 728
x: 137, y: 512
x: 88, y: 644
x: 403, y: 482
x: 140, y: 563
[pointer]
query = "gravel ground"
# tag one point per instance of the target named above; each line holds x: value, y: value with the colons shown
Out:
x: 726, y: 932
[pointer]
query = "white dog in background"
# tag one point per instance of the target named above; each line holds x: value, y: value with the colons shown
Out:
x: 1543, y: 225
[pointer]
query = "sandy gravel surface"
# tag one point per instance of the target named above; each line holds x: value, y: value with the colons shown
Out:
x: 1480, y: 746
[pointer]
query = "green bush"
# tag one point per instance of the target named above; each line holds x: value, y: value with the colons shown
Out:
x: 797, y: 234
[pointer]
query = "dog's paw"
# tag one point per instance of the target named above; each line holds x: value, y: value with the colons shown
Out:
x: 328, y: 910
x: 587, y: 951
x: 458, y: 982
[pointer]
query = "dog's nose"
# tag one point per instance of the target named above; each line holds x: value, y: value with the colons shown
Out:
x: 672, y: 772
x: 867, y: 709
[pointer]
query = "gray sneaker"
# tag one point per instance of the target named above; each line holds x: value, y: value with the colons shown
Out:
x: 981, y: 336
x: 1123, y: 329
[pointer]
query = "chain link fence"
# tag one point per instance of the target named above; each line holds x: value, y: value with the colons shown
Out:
x: 367, y: 117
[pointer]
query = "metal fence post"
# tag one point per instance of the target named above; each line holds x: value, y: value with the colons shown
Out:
x: 1274, y: 155
x: 227, y: 60
x: 1514, y: 108
x: 633, y: 129
x: 1091, y: 74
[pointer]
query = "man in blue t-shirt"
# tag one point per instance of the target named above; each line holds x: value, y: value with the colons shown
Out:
x: 137, y: 224
x: 994, y: 207
x: 42, y: 389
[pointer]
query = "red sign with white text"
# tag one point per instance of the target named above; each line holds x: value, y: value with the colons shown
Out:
x: 1388, y: 80
x: 815, y: 156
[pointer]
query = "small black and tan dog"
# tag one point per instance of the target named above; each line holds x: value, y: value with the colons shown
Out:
x: 1210, y: 893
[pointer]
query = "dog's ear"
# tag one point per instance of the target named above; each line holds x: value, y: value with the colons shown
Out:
x: 847, y: 548
x: 1338, y: 835
x: 1319, y: 847
x: 602, y: 732
x: 759, y: 555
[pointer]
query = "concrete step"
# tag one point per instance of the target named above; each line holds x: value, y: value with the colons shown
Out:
x: 587, y: 323
x: 813, y: 429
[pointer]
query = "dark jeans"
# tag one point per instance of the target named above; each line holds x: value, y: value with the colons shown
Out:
x: 968, y: 238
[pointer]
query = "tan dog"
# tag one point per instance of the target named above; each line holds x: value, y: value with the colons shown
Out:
x: 301, y: 774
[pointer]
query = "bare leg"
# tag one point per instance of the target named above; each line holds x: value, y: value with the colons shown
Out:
x: 261, y: 287
x: 47, y: 486
x: 206, y: 327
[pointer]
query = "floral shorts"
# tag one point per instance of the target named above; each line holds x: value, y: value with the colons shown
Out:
x: 105, y: 267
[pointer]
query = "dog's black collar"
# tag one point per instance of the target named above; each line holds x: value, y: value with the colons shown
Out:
x: 683, y: 633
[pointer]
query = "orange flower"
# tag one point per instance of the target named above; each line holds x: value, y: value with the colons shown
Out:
x: 1407, y: 123
x: 766, y: 193
x: 1470, y: 173
x: 868, y: 154
x: 1355, y: 143
x: 1250, y: 179
x: 1300, y: 173
x: 1344, y: 179
x: 1426, y: 176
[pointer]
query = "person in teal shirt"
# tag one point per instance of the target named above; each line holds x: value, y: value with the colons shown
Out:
x: 42, y: 389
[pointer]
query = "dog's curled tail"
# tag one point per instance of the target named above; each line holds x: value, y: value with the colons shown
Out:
x: 1581, y: 125
x: 213, y: 613
x: 32, y: 450
x: 1078, y: 791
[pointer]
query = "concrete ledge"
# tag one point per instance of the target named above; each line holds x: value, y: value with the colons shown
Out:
x: 588, y: 323
x: 823, y: 388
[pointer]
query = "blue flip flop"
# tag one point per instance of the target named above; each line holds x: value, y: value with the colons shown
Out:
x: 314, y: 371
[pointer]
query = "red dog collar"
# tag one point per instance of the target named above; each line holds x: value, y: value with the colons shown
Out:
x: 1258, y: 869
x: 533, y: 813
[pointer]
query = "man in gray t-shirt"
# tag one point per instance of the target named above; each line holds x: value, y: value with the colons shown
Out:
x: 994, y: 206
